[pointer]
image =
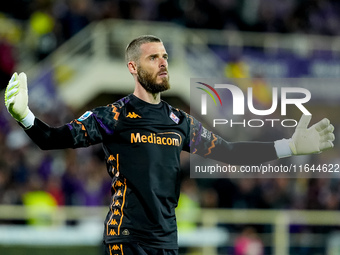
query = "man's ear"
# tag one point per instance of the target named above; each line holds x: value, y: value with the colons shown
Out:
x: 132, y: 66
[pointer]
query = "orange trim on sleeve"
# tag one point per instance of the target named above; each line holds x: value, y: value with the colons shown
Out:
x: 212, y: 145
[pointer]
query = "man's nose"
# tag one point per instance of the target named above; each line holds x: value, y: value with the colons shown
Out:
x: 163, y: 63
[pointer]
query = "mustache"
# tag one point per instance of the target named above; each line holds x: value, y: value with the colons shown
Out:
x: 164, y: 69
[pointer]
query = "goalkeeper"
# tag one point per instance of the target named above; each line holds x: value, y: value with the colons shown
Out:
x: 142, y: 137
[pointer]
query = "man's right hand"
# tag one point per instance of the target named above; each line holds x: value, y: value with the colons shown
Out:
x: 16, y: 99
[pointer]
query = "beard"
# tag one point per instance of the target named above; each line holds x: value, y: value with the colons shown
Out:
x: 148, y: 81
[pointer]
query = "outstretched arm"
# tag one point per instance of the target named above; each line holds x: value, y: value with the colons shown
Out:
x: 315, y: 139
x: 46, y: 137
x: 49, y: 138
x: 85, y: 131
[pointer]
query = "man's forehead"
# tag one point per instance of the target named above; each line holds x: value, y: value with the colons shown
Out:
x: 152, y: 48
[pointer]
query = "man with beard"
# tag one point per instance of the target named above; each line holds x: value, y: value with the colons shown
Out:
x: 142, y: 137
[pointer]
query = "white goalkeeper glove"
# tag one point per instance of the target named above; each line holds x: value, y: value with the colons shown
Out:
x: 315, y: 139
x: 16, y: 100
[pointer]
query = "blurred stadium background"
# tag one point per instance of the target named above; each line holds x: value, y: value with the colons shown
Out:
x: 54, y: 202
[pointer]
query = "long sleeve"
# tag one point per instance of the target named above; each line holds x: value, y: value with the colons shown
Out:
x: 89, y: 129
x: 207, y: 144
x: 48, y: 138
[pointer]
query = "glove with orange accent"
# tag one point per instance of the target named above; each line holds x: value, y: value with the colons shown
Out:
x: 16, y: 100
x: 315, y: 139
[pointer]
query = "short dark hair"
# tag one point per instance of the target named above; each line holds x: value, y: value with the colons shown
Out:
x: 132, y: 52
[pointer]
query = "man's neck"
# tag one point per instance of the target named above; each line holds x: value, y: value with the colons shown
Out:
x: 148, y: 97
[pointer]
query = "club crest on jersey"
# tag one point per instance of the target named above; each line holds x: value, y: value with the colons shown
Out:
x: 85, y: 115
x: 174, y: 118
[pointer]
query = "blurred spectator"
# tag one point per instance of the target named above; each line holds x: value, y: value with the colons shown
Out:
x: 248, y: 243
x: 277, y: 193
x: 170, y: 11
x: 42, y: 26
x: 40, y: 205
x: 17, y: 9
x: 9, y: 36
x: 188, y: 204
x: 95, y: 184
x: 53, y: 187
x: 249, y: 194
x: 75, y: 15
x: 7, y: 62
x: 209, y: 198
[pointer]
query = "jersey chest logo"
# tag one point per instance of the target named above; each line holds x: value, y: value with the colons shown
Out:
x: 133, y: 115
x: 165, y: 138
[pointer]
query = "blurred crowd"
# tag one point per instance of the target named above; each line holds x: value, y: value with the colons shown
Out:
x: 66, y: 17
x: 65, y: 177
x: 43, y: 25
x: 72, y: 177
x: 55, y: 21
x: 79, y: 177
